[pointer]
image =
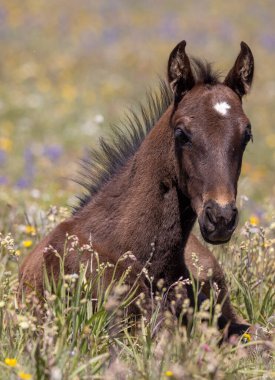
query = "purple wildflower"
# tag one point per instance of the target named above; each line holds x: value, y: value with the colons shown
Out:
x: 53, y: 152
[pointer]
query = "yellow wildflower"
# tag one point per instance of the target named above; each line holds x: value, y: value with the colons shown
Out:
x: 169, y: 373
x: 246, y: 338
x: 27, y: 243
x: 254, y: 220
x: 5, y: 144
x: 11, y: 362
x: 17, y: 252
x: 68, y: 92
x: 30, y: 230
x: 24, y: 376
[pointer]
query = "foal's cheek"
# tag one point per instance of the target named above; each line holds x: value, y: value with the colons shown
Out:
x: 194, y: 192
x: 196, y: 196
x: 197, y: 205
x: 235, y: 169
x: 191, y: 181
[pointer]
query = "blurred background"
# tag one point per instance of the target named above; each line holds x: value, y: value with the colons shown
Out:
x: 70, y: 68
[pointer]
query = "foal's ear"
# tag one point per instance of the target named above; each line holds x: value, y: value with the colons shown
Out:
x: 179, y: 72
x: 240, y: 77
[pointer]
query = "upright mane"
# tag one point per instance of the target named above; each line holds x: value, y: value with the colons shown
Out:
x: 203, y: 72
x: 112, y: 154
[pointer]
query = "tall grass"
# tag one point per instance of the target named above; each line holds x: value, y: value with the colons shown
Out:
x: 80, y: 329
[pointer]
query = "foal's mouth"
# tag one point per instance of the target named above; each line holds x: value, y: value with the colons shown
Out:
x: 217, y: 223
x: 215, y: 239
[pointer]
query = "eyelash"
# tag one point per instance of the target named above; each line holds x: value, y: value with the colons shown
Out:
x: 247, y: 135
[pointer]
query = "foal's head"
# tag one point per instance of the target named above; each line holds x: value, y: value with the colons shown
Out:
x: 211, y: 132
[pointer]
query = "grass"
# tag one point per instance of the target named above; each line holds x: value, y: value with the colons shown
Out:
x: 78, y: 338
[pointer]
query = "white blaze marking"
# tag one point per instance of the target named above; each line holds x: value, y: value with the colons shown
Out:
x: 222, y: 108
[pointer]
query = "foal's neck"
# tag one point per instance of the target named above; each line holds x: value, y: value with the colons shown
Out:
x: 142, y: 209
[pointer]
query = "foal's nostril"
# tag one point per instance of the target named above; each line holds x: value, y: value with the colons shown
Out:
x: 210, y: 219
x: 234, y: 218
x: 210, y: 215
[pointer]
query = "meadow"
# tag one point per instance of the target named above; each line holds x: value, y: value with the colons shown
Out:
x: 68, y: 70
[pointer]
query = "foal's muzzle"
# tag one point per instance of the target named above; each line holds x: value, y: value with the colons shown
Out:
x: 217, y: 222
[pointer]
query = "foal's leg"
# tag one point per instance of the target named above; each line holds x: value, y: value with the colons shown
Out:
x: 208, y: 263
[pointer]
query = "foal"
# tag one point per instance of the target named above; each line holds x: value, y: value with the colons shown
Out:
x: 180, y: 162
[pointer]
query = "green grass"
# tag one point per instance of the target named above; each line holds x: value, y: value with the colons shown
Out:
x: 69, y: 335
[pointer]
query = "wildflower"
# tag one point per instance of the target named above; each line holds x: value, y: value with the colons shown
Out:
x: 195, y: 262
x: 86, y: 330
x: 24, y: 325
x: 169, y: 373
x: 30, y: 230
x: 145, y: 271
x: 71, y: 277
x: 205, y: 347
x: 56, y: 373
x: 24, y: 376
x: 11, y: 362
x: 130, y: 255
x: 5, y: 144
x: 120, y: 290
x: 35, y: 193
x: 246, y: 338
x: 111, y: 304
x: 52, y: 152
x: 254, y: 220
x: 160, y: 284
x: 3, y: 179
x: 17, y: 252
x: 99, y: 119
x: 23, y: 183
x: 7, y: 242
x: 27, y: 243
x: 68, y: 92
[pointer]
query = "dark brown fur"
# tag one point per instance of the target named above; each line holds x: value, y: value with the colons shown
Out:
x: 185, y: 165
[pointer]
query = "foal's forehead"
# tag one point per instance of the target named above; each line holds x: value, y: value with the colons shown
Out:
x: 222, y: 100
x: 217, y: 101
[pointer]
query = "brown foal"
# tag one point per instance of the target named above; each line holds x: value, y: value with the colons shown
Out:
x: 180, y: 161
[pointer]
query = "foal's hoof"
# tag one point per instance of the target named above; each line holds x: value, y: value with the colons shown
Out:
x: 235, y: 330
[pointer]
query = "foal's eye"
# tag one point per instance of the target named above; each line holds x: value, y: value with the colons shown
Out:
x: 247, y: 135
x: 181, y: 137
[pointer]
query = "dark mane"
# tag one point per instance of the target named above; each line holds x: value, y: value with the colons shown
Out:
x: 203, y: 72
x: 112, y: 154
